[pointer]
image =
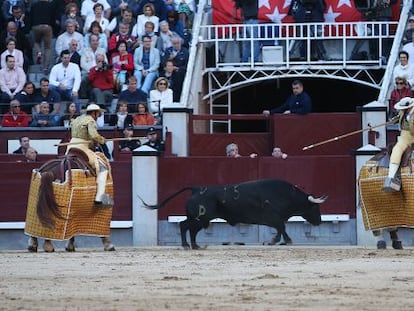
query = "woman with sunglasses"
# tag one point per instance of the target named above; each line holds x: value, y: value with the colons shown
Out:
x: 160, y: 97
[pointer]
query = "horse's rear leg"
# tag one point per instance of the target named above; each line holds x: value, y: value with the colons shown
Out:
x: 70, y: 246
x: 48, y: 246
x: 33, y: 244
x: 108, y: 246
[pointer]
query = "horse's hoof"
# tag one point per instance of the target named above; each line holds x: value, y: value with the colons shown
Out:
x: 381, y: 244
x: 397, y: 244
x: 109, y: 248
x: 48, y: 247
x: 32, y: 248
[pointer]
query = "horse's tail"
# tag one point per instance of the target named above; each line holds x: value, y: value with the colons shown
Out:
x: 165, y: 201
x: 46, y: 205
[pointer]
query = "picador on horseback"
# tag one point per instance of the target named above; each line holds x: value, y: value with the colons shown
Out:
x: 73, y: 194
x: 405, y: 119
x: 84, y: 133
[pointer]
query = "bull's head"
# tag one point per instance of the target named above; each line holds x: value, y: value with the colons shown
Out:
x: 312, y: 213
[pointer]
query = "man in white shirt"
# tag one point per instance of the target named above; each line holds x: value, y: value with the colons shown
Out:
x: 87, y: 8
x: 65, y: 78
x: 63, y: 40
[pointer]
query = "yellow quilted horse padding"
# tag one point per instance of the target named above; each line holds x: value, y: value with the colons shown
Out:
x: 76, y: 204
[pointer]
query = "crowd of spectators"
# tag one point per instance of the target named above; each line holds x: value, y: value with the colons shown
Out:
x: 95, y: 50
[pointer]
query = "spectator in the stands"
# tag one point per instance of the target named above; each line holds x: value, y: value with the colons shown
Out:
x: 298, y: 102
x: 65, y: 78
x: 27, y: 97
x: 98, y: 16
x: 88, y: 57
x: 20, y: 18
x: 12, y: 81
x: 158, y: 5
x: 7, y: 8
x: 153, y: 140
x: 96, y: 29
x: 175, y: 79
x: 127, y: 17
x: 185, y: 10
x: 87, y: 8
x: 177, y: 54
x: 63, y: 40
x: 123, y: 34
x: 31, y: 155
x: 165, y: 36
x: 404, y: 69
x: 24, y: 144
x: 278, y: 153
x: 408, y: 33
x: 401, y: 90
x: 175, y: 23
x: 45, y: 94
x: 74, y: 54
x: 102, y: 81
x: 232, y: 151
x: 160, y: 97
x: 15, y: 117
x: 409, y: 48
x: 42, y: 21
x: 143, y: 116
x: 132, y: 95
x: 123, y: 65
x: 149, y: 31
x: 69, y: 115
x: 11, y: 50
x: 146, y: 64
x: 121, y: 117
x: 22, y: 44
x: 148, y: 15
x: 44, y: 118
x: 130, y: 144
x: 72, y: 12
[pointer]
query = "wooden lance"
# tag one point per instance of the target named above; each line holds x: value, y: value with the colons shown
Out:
x: 89, y: 141
x: 346, y: 135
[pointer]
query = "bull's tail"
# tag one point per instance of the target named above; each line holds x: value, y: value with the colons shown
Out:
x: 165, y: 201
x: 46, y: 204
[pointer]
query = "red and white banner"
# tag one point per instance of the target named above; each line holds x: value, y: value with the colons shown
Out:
x: 275, y: 11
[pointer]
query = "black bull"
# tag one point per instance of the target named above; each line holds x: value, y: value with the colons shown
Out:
x: 262, y: 202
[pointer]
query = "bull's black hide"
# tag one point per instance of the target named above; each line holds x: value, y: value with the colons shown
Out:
x: 263, y: 202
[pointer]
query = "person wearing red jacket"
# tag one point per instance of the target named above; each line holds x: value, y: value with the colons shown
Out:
x: 15, y: 117
x: 123, y: 35
x: 122, y: 64
x: 402, y: 90
x: 102, y: 80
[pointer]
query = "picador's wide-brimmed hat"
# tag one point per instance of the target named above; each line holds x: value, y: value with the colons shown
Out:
x: 94, y: 107
x: 404, y: 103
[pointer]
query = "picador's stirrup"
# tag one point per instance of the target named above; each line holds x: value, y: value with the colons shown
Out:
x: 392, y: 185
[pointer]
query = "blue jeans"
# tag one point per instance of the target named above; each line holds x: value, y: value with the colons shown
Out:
x: 66, y: 95
x: 148, y: 80
x: 251, y: 32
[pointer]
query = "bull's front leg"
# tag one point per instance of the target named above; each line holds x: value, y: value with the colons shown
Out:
x: 276, y: 238
x: 282, y: 230
x: 195, y: 227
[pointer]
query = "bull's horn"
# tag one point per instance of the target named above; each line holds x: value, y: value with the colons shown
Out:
x: 317, y: 200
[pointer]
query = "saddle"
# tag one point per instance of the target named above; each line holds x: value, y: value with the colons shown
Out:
x: 75, y: 159
x: 383, y: 157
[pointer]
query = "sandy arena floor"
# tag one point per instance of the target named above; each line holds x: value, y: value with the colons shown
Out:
x: 217, y: 278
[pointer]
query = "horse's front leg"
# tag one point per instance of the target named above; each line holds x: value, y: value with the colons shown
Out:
x: 33, y: 244
x: 48, y: 246
x: 108, y: 246
x: 70, y: 246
